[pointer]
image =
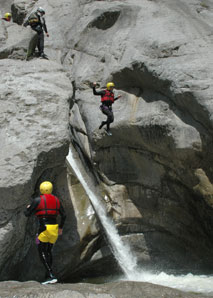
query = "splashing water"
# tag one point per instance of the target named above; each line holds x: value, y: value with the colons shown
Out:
x: 90, y: 212
x: 187, y: 283
x: 121, y: 251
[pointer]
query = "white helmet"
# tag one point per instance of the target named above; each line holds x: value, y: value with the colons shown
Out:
x: 41, y: 10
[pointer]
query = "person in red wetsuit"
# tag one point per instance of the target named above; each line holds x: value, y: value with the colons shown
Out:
x: 107, y: 99
x: 47, y: 207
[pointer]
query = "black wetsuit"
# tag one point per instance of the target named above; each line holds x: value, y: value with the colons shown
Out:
x: 45, y: 248
x: 39, y: 27
x: 106, y: 108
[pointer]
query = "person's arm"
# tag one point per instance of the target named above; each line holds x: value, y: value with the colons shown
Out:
x: 44, y: 26
x: 26, y: 23
x: 32, y: 207
x: 98, y: 92
x: 63, y: 218
x: 116, y: 98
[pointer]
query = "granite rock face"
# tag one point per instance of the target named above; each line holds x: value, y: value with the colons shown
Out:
x: 159, y: 55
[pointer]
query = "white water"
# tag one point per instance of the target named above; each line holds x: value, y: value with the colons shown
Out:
x: 121, y: 251
x: 123, y: 254
x: 187, y: 283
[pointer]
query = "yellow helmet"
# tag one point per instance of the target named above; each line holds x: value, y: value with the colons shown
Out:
x: 7, y: 15
x: 109, y: 85
x: 46, y: 187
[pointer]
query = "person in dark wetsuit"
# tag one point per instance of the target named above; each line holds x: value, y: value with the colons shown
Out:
x: 37, y: 22
x: 107, y: 99
x: 47, y: 207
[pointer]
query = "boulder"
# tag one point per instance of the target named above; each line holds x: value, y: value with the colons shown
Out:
x: 15, y: 41
x: 18, y: 11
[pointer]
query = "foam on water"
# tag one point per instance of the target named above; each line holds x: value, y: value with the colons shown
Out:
x: 187, y: 283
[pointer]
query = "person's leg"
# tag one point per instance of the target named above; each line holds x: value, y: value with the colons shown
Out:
x: 45, y: 256
x: 49, y: 254
x: 41, y: 43
x: 32, y: 45
x: 110, y: 117
x: 102, y: 124
x: 102, y: 108
x: 46, y: 239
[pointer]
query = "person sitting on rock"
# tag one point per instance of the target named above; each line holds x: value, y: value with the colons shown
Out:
x: 47, y: 207
x: 37, y: 22
x: 7, y: 17
x: 107, y: 99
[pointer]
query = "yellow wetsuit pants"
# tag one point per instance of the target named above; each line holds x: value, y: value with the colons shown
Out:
x: 50, y: 234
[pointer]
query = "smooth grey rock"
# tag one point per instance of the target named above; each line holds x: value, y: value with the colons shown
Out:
x: 5, y: 6
x: 108, y: 290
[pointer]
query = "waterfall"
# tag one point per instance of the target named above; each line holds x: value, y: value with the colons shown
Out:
x: 121, y: 251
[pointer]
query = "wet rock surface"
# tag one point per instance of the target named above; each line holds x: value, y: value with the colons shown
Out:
x: 110, y: 290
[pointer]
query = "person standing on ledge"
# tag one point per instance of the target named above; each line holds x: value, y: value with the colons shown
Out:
x: 37, y: 22
x: 107, y: 99
x: 47, y: 207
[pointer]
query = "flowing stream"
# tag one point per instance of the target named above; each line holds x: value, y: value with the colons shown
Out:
x: 122, y: 252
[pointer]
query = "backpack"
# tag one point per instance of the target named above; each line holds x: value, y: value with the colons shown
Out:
x: 33, y: 19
